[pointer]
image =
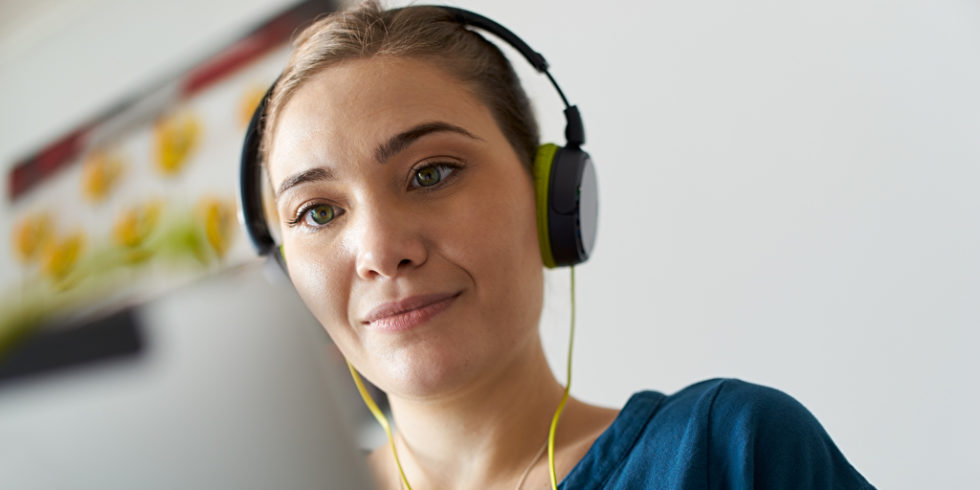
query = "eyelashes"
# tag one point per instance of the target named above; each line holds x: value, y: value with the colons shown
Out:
x: 429, y: 176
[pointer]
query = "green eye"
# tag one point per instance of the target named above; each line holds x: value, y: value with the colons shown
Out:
x: 431, y: 175
x: 316, y: 215
x: 321, y: 214
x: 428, y: 176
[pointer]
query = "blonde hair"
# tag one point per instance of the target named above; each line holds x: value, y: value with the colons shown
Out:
x: 422, y: 32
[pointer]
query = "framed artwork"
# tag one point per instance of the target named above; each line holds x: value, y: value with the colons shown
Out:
x: 143, y: 197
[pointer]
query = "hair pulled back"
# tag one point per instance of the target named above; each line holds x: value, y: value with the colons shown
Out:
x: 423, y: 32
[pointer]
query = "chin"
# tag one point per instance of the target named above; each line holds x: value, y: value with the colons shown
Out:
x: 454, y: 354
x: 427, y: 375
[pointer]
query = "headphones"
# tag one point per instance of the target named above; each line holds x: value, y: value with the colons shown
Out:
x: 565, y: 188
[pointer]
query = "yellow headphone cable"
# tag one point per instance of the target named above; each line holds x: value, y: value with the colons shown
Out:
x: 380, y: 417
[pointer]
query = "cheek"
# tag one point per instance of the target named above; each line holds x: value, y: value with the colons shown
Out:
x: 320, y: 284
x: 505, y: 220
x: 502, y: 244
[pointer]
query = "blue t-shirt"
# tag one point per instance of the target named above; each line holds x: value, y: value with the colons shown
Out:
x: 720, y: 433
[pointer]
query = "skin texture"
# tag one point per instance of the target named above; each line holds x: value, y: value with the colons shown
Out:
x: 464, y: 368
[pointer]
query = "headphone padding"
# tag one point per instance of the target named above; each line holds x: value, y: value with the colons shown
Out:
x: 542, y: 181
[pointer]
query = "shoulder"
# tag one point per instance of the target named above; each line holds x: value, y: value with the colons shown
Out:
x: 733, y: 404
x: 733, y: 408
x: 721, y: 405
x: 764, y: 436
x: 732, y: 434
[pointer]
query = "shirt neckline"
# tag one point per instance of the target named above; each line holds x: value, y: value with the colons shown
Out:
x: 615, y: 443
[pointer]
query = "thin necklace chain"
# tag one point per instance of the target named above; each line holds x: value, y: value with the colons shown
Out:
x: 527, y: 471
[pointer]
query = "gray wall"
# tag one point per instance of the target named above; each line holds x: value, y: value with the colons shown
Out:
x: 788, y: 192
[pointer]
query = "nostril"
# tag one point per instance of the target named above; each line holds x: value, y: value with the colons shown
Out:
x: 404, y: 262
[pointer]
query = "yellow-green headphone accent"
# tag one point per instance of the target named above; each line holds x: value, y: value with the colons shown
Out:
x: 380, y: 417
x: 542, y: 181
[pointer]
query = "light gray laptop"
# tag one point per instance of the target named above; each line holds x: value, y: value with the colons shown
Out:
x: 227, y: 383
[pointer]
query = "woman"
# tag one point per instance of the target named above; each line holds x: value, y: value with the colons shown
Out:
x: 399, y: 144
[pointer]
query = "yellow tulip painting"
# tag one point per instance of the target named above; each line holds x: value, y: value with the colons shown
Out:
x: 61, y: 254
x: 175, y: 138
x: 31, y: 235
x: 101, y: 173
x: 136, y: 223
x: 218, y: 218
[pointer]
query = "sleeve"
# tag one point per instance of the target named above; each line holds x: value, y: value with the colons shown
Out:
x: 762, y: 438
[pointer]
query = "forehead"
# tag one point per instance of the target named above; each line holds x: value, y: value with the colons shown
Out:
x: 342, y: 113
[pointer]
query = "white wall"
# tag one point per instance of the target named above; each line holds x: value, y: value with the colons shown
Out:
x: 788, y: 192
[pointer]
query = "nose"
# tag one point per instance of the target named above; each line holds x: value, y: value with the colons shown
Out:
x: 387, y: 243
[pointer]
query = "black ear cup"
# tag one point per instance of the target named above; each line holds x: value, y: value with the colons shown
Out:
x: 250, y: 182
x: 568, y: 205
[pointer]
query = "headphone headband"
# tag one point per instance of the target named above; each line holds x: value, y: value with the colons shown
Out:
x: 574, y: 130
x: 468, y: 18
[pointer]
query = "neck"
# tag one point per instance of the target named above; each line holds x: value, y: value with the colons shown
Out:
x: 488, y: 431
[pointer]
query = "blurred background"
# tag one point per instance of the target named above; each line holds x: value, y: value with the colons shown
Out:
x: 788, y: 191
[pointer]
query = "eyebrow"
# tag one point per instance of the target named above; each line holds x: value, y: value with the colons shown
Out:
x: 382, y: 154
x: 310, y: 175
x: 402, y: 140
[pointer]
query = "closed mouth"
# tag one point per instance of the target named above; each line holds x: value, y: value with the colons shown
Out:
x: 408, y: 312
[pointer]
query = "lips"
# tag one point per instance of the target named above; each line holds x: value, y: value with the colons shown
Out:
x: 409, y: 312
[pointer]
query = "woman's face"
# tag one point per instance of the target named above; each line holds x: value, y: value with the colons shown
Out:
x: 408, y: 224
